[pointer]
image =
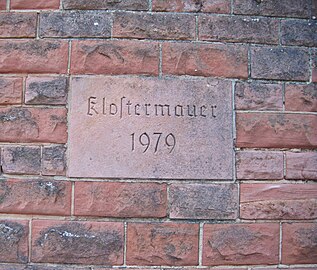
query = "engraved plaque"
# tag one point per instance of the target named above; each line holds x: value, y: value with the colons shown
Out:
x: 137, y: 127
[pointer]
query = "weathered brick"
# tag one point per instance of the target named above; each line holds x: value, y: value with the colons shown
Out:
x: 120, y: 199
x: 17, y: 25
x: 115, y: 57
x: 21, y: 159
x: 37, y: 197
x: 301, y: 97
x: 3, y: 4
x: 278, y: 201
x: 162, y: 244
x: 203, y: 201
x: 274, y: 130
x: 299, y: 32
x: 10, y: 90
x: 281, y: 8
x: 33, y: 56
x: 38, y: 4
x: 280, y: 63
x: 302, y: 166
x: 240, y: 244
x: 299, y: 243
x: 14, y: 241
x: 33, y: 125
x: 213, y: 6
x: 75, y: 24
x: 259, y: 165
x: 77, y: 242
x: 258, y: 96
x: 45, y: 267
x: 314, y: 65
x: 205, y: 60
x: 238, y: 29
x: 102, y: 4
x: 54, y: 160
x: 46, y: 90
x: 154, y: 26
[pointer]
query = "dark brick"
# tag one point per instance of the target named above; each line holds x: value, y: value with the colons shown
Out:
x: 314, y: 65
x: 11, y: 90
x: 203, y: 201
x: 238, y: 29
x: 301, y: 166
x: 54, y: 160
x: 75, y: 24
x: 102, y: 4
x: 154, y: 26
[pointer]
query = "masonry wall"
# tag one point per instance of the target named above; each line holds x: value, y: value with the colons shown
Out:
x: 265, y: 217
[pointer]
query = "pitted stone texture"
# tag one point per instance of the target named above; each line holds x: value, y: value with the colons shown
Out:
x: 301, y: 97
x: 106, y: 4
x: 314, y: 65
x: 38, y: 4
x: 185, y: 141
x: 18, y: 25
x: 301, y: 166
x: 11, y: 90
x: 77, y: 242
x: 54, y: 160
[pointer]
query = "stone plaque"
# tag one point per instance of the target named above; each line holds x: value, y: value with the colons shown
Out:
x: 136, y: 127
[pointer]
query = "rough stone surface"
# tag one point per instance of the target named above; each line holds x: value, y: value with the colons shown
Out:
x: 14, y: 241
x: 301, y: 166
x: 17, y: 25
x: 283, y: 63
x: 213, y: 6
x: 263, y: 165
x: 238, y: 29
x: 33, y: 56
x: 278, y: 201
x: 10, y: 90
x: 33, y: 125
x: 106, y: 4
x: 38, y: 197
x: 301, y: 97
x: 21, y: 159
x: 258, y: 96
x: 115, y: 57
x: 203, y: 201
x: 200, y: 59
x: 77, y: 242
x: 120, y: 199
x: 162, y: 244
x: 299, y: 243
x: 273, y: 130
x: 76, y: 24
x: 314, y: 65
x: 281, y: 8
x: 299, y: 33
x: 31, y: 4
x: 54, y: 160
x: 240, y: 244
x: 154, y: 26
x: 46, y: 90
x: 172, y: 131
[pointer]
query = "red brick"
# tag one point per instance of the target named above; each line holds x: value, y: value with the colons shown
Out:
x: 38, y: 4
x: 33, y: 125
x: 299, y: 243
x: 120, y: 199
x: 115, y: 57
x: 77, y: 242
x: 154, y: 26
x: 314, y: 65
x: 3, y: 4
x: 280, y: 63
x: 205, y: 60
x: 17, y: 25
x: 278, y: 201
x: 238, y: 29
x: 11, y: 90
x: 258, y: 96
x: 33, y: 56
x: 259, y: 165
x: 54, y: 160
x: 200, y: 201
x: 102, y: 4
x: 21, y: 159
x: 213, y: 6
x: 45, y: 267
x: 274, y: 130
x: 162, y: 244
x: 301, y: 166
x: 37, y: 197
x: 14, y: 241
x: 240, y: 244
x: 301, y: 97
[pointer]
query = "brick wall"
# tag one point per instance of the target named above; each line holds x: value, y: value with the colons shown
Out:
x: 264, y: 217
